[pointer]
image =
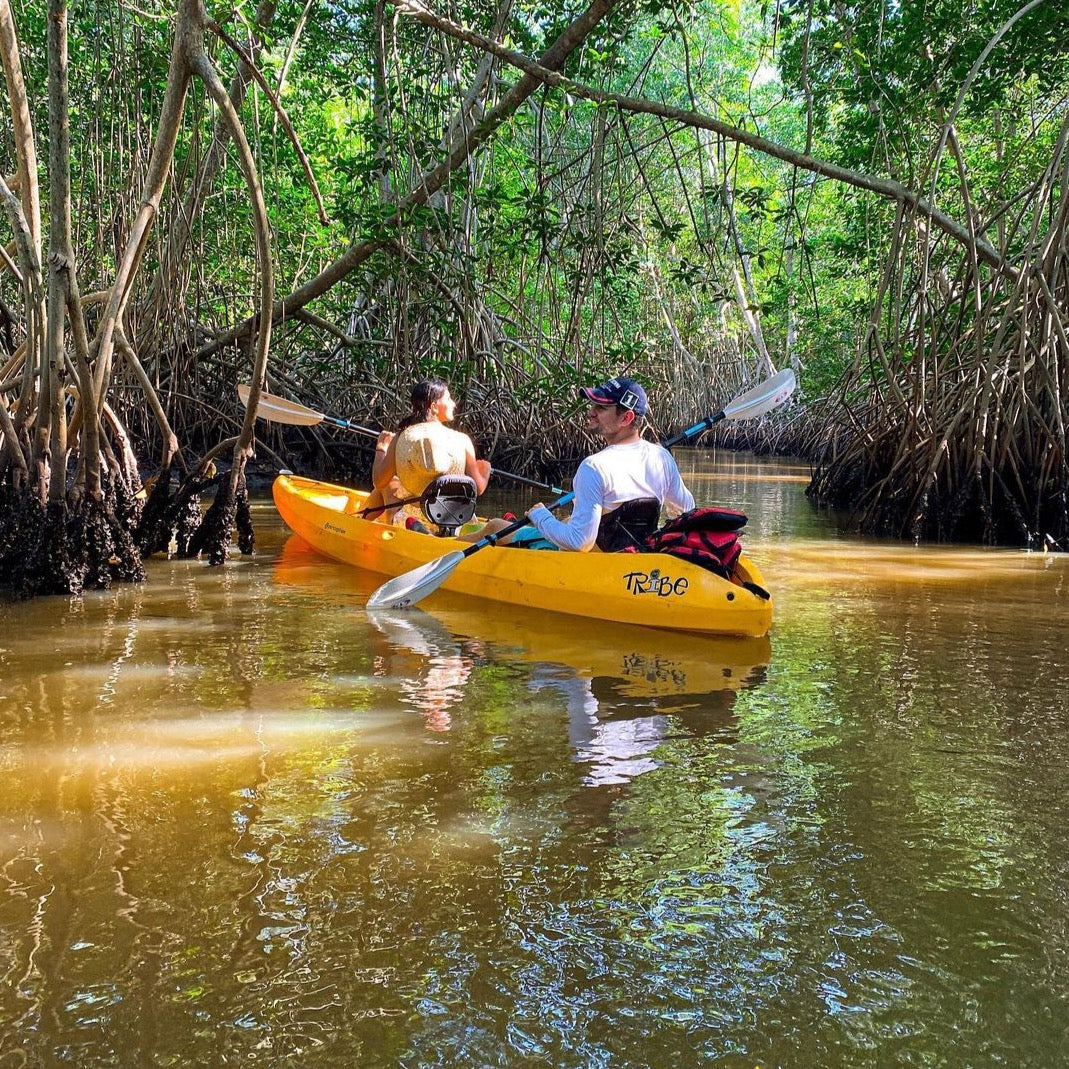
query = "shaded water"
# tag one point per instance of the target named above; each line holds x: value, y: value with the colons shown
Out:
x: 241, y: 823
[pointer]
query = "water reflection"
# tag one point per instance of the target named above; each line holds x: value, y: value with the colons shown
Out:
x: 626, y: 689
x: 430, y: 664
x: 240, y: 823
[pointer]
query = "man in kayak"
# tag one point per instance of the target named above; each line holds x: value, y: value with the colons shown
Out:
x: 620, y: 490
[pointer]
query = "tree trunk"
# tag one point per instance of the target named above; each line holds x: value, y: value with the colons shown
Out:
x: 164, y: 294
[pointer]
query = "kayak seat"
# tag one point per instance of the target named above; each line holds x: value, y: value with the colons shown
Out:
x: 628, y: 525
x: 449, y: 503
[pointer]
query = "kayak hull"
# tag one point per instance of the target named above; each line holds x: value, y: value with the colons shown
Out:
x: 652, y: 589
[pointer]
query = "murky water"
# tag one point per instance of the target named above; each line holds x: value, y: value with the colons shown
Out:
x: 241, y: 823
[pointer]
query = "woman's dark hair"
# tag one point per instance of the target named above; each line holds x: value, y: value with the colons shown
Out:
x: 425, y: 395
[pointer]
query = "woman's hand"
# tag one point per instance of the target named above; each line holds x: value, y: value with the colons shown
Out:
x: 477, y: 470
x: 382, y: 467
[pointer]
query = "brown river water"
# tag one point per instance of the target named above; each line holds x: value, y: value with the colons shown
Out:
x: 242, y: 823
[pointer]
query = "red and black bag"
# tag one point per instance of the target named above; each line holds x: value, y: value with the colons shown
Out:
x: 707, y: 537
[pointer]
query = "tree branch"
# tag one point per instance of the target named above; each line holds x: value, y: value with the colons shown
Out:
x: 885, y: 187
x: 261, y: 81
x: 433, y: 180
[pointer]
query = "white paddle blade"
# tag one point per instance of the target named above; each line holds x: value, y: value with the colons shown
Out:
x: 762, y: 398
x: 279, y: 410
x: 415, y: 585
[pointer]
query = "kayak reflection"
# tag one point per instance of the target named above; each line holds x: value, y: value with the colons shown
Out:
x: 634, y: 663
x: 626, y: 688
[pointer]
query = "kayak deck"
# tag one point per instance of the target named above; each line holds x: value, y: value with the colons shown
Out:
x: 652, y: 589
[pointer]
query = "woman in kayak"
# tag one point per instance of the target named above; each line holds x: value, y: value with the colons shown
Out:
x: 423, y: 449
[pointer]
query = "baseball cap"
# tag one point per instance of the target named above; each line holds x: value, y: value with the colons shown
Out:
x: 620, y: 391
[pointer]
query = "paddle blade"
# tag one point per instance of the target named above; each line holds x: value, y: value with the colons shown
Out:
x: 763, y: 397
x: 279, y: 410
x: 415, y: 585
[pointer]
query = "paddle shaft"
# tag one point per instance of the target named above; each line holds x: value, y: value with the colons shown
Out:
x: 512, y: 528
x: 493, y: 539
x: 391, y: 505
x: 762, y: 398
x: 693, y: 432
x: 754, y: 402
x: 683, y: 436
x: 280, y: 410
x: 345, y: 425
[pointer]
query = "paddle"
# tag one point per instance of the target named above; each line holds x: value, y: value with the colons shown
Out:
x: 762, y: 398
x: 448, y: 501
x: 279, y: 410
x: 416, y: 584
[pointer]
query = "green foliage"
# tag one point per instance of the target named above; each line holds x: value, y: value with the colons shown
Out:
x: 882, y: 73
x: 579, y: 239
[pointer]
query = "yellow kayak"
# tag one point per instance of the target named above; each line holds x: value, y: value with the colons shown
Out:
x: 652, y: 589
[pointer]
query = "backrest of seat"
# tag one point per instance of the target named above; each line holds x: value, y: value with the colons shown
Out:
x: 628, y: 525
x: 449, y: 502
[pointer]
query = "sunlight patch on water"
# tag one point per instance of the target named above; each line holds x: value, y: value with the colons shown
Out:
x: 132, y: 672
x: 818, y: 563
x: 701, y: 478
x: 185, y: 743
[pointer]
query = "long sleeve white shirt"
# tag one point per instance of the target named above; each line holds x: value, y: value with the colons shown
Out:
x: 604, y: 481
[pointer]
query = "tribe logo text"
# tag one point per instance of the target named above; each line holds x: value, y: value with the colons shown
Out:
x: 664, y: 586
